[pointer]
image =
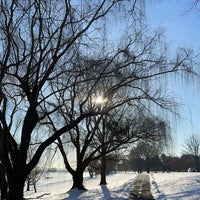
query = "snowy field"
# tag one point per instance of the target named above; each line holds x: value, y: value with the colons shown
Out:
x: 176, y: 186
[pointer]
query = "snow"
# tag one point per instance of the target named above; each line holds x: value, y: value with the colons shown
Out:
x: 176, y: 186
x: 164, y: 186
x: 118, y: 187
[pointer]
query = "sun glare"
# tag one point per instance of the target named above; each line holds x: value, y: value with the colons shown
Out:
x: 100, y: 100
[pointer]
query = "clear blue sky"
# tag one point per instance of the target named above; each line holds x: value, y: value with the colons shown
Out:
x: 182, y: 29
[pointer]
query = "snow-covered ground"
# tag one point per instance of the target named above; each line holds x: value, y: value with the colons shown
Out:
x: 57, y: 185
x: 176, y: 186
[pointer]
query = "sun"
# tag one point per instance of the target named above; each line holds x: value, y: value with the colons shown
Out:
x: 99, y: 100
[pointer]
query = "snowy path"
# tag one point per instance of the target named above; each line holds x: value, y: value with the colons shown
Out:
x: 141, y: 188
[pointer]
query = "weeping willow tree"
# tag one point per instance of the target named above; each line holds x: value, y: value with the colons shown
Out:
x: 43, y: 47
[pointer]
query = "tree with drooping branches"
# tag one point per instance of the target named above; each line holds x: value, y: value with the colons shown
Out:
x: 44, y: 46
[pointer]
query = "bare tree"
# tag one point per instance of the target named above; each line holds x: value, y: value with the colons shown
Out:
x: 192, y: 147
x: 92, y: 144
x: 104, y: 135
x: 38, y: 39
x: 115, y: 133
x: 39, y: 170
x: 129, y: 131
x: 43, y: 46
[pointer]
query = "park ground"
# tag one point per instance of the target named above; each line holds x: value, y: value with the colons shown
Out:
x: 164, y: 186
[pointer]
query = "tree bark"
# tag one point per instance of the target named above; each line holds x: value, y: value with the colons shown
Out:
x: 3, y: 184
x: 35, y: 188
x: 16, y: 187
x: 78, y: 180
x: 103, y: 170
x: 16, y: 180
x: 197, y: 162
x: 147, y: 165
x: 28, y: 185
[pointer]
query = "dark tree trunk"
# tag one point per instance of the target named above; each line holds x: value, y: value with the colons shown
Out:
x: 139, y: 165
x: 197, y: 162
x: 34, y: 186
x: 28, y: 185
x: 16, y: 181
x: 78, y: 180
x: 77, y: 175
x: 103, y: 155
x: 103, y: 170
x: 3, y: 183
x: 16, y: 188
x: 91, y: 171
x: 147, y: 165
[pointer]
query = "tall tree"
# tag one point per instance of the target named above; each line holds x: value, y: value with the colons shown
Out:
x: 38, y: 41
x: 43, y: 48
x: 90, y: 143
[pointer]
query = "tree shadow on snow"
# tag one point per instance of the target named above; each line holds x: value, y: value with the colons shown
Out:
x: 106, y: 191
x: 185, y: 194
x: 74, y: 194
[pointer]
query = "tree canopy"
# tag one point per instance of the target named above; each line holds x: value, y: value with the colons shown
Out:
x: 57, y: 57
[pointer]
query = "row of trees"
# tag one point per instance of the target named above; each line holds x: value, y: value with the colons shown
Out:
x: 146, y: 156
x: 64, y: 81
x: 162, y: 163
x: 158, y: 163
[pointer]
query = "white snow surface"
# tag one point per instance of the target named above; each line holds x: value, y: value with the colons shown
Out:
x: 176, y: 186
x: 164, y: 186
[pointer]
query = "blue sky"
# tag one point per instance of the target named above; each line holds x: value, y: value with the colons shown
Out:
x: 181, y: 29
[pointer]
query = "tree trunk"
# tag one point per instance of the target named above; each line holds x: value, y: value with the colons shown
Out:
x: 147, y: 165
x: 103, y: 155
x: 78, y: 180
x: 139, y: 165
x: 16, y: 188
x: 3, y: 184
x: 197, y: 162
x: 91, y: 171
x: 35, y: 188
x: 103, y: 170
x: 16, y: 181
x: 28, y: 185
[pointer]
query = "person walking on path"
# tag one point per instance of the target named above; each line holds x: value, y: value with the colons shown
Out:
x: 142, y: 188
